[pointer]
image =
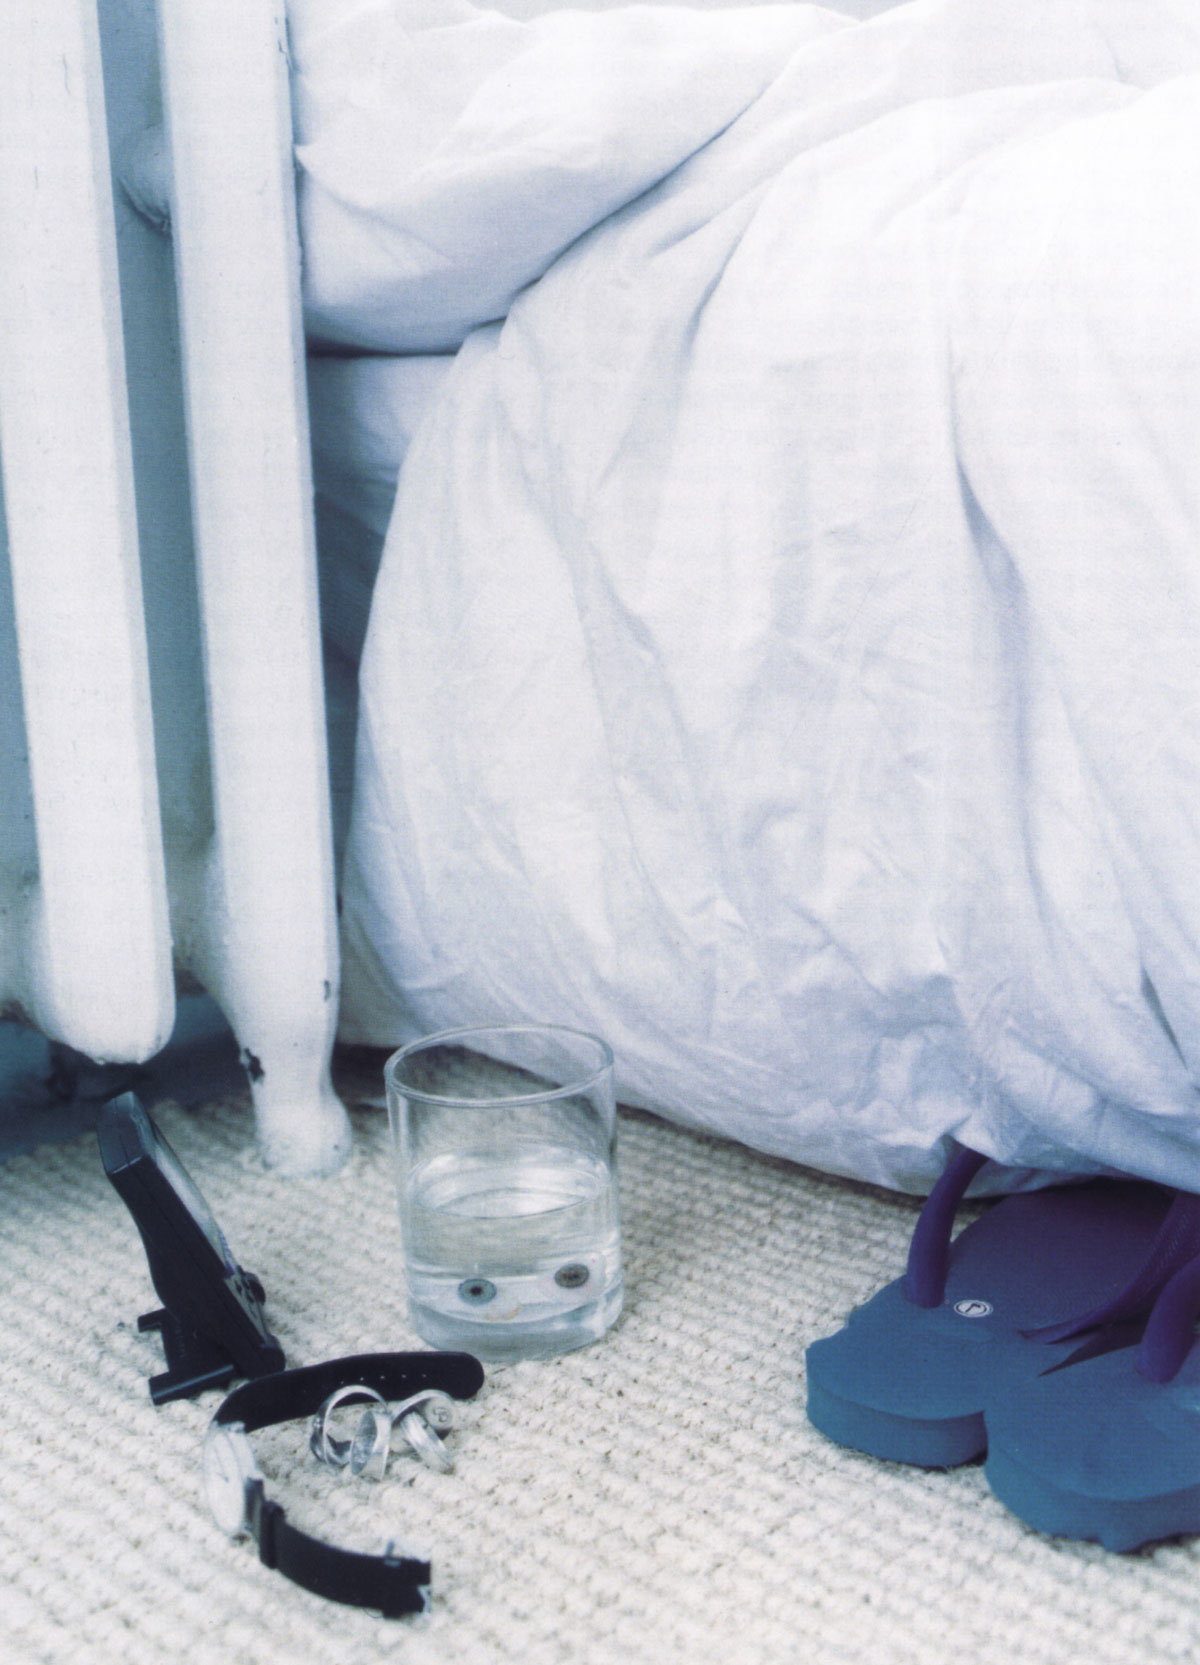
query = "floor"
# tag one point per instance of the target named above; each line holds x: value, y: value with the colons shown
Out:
x: 49, y: 1093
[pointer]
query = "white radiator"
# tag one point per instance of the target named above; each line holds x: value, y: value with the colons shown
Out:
x: 164, y: 801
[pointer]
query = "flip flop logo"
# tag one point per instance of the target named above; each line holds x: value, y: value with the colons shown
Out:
x: 973, y: 1309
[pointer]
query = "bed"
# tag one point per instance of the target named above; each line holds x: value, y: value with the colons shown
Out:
x: 756, y: 463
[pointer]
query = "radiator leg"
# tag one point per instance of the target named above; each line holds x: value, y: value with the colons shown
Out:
x: 261, y: 923
x: 259, y: 932
x: 300, y: 1123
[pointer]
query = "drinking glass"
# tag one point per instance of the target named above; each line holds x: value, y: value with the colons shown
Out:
x: 504, y: 1141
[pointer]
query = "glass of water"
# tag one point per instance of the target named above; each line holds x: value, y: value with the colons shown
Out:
x: 505, y: 1149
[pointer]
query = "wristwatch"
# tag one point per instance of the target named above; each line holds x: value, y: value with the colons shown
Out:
x: 395, y: 1584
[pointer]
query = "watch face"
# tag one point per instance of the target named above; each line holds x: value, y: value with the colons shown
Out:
x: 228, y: 1466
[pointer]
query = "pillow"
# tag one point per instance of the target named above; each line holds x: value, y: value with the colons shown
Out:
x: 448, y: 154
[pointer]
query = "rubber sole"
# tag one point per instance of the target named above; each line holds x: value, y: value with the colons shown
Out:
x: 901, y: 1439
x: 1118, y: 1524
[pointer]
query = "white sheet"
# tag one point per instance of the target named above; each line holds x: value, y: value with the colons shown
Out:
x: 784, y: 655
x: 363, y: 412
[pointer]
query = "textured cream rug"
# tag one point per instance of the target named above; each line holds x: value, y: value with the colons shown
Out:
x: 656, y: 1497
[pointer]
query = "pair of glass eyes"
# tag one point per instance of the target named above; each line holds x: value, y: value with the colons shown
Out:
x: 478, y: 1291
x: 423, y: 1419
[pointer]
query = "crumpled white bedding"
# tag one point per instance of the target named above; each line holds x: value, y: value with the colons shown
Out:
x: 363, y: 412
x: 784, y: 659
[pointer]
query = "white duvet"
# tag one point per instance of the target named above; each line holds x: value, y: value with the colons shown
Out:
x: 785, y: 660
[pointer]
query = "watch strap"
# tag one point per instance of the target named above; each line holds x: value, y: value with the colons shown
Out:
x: 288, y: 1394
x: 392, y: 1584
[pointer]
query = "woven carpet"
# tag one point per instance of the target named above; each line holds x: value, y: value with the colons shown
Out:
x: 658, y: 1496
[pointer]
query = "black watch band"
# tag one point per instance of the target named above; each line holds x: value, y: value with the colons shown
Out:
x: 288, y: 1394
x: 391, y: 1583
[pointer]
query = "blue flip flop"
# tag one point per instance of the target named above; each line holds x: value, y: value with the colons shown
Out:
x: 1106, y: 1444
x: 909, y: 1375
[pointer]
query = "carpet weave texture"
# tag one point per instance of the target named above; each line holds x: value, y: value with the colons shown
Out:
x: 656, y: 1497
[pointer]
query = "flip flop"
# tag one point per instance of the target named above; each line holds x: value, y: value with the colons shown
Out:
x: 909, y: 1375
x: 1106, y: 1445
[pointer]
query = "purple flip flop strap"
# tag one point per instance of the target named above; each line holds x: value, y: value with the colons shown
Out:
x: 929, y: 1251
x: 1166, y: 1285
x: 1171, y: 1328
